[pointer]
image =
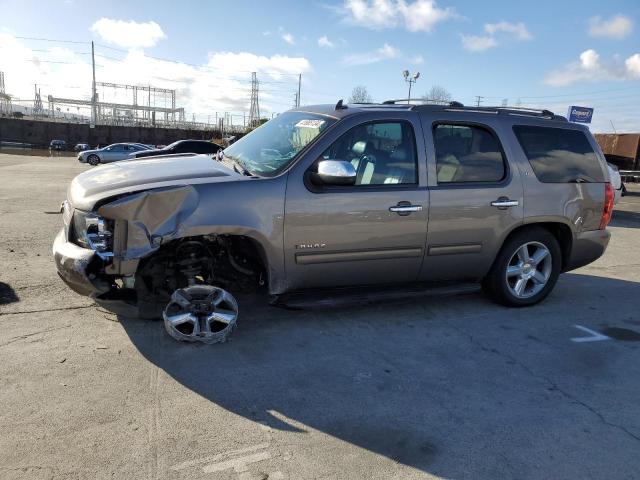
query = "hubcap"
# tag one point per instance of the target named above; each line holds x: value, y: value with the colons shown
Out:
x: 201, y: 313
x: 528, y: 270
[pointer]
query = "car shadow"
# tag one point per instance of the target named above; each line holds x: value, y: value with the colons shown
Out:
x: 625, y: 218
x: 7, y: 294
x: 402, y: 378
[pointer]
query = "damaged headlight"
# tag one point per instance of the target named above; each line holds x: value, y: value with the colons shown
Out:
x: 94, y: 232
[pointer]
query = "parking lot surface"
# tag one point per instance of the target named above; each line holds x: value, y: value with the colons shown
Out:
x: 409, y: 386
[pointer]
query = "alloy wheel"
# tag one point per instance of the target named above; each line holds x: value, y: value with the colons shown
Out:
x: 528, y: 270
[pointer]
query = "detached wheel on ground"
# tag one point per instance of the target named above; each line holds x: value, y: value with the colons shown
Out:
x: 93, y: 160
x: 526, y: 269
x: 201, y: 313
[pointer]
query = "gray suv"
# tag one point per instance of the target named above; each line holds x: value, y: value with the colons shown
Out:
x: 334, y: 196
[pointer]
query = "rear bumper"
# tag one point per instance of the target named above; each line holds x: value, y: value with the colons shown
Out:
x: 587, y: 247
x: 73, y: 263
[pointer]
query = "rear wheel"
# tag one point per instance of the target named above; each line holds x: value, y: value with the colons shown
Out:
x: 93, y: 160
x: 526, y: 269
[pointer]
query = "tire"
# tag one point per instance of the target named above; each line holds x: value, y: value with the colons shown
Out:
x: 93, y: 160
x: 515, y: 281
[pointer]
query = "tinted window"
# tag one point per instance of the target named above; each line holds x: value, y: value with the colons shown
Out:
x: 382, y: 153
x: 559, y: 155
x: 466, y: 153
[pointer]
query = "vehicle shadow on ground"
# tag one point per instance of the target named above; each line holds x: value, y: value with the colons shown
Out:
x: 404, y: 379
x: 624, y: 218
x: 7, y: 294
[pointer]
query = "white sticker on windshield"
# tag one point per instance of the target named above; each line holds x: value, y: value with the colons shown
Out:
x: 309, y: 123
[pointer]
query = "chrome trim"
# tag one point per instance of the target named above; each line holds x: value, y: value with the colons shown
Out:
x: 406, y: 208
x: 505, y: 203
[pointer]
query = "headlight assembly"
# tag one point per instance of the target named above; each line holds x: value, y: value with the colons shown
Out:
x: 94, y: 232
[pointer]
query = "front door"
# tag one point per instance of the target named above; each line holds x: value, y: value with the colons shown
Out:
x: 476, y: 198
x: 370, y: 233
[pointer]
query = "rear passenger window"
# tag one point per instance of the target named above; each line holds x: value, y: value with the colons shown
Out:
x: 559, y: 155
x: 382, y: 153
x: 467, y: 153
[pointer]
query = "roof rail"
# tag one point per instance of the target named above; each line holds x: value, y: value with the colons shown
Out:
x: 500, y: 110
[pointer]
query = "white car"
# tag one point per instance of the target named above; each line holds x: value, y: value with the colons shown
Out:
x: 111, y: 153
x: 616, y: 181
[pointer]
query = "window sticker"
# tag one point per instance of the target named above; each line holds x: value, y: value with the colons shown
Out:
x: 309, y: 123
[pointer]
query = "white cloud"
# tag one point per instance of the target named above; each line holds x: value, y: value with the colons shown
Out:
x: 221, y: 83
x: 128, y: 34
x: 386, y: 52
x: 287, y: 37
x: 632, y: 65
x: 416, y: 60
x: 324, y: 42
x: 475, y: 43
x: 415, y: 16
x: 495, y: 35
x: 590, y: 68
x: 618, y: 26
x: 518, y: 30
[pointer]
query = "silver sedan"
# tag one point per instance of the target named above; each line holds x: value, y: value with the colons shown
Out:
x: 111, y: 153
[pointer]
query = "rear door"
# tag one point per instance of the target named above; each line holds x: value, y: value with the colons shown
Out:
x: 476, y: 196
x: 370, y: 233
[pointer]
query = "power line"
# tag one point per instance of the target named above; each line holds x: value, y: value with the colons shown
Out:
x: 51, y: 40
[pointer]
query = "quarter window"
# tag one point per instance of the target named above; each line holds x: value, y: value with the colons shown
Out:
x: 467, y: 153
x: 382, y: 153
x: 559, y: 155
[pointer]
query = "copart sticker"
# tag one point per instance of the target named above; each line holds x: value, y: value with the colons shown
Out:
x: 309, y: 123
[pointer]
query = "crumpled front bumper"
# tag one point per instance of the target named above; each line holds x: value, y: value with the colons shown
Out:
x: 72, y: 263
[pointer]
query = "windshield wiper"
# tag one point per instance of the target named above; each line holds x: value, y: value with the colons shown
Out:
x: 237, y: 165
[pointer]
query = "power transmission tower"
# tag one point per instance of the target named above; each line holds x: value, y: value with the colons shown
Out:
x: 478, y: 100
x: 5, y: 100
x: 254, y: 110
x: 37, y: 103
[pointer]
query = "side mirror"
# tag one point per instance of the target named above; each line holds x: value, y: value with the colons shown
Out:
x: 335, y: 172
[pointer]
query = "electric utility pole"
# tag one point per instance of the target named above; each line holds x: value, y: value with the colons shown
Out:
x: 478, y: 100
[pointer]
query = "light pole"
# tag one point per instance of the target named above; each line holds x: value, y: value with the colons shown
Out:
x: 410, y: 79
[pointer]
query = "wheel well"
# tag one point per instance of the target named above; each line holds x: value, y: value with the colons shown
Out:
x: 559, y: 230
x: 234, y: 262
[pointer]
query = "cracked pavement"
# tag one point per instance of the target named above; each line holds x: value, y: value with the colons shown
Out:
x: 377, y: 386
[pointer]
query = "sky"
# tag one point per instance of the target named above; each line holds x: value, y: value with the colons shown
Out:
x: 542, y: 54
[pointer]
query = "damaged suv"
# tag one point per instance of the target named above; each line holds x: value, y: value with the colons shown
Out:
x: 339, y: 196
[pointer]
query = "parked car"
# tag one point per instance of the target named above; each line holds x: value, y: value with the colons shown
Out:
x: 340, y: 196
x: 181, y: 146
x: 81, y: 147
x: 58, y: 145
x: 616, y: 182
x: 111, y: 153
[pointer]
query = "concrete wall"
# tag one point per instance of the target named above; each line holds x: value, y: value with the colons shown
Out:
x: 40, y: 133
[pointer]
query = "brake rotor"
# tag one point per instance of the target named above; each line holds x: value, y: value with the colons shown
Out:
x: 201, y: 313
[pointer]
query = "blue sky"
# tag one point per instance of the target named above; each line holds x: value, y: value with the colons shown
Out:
x: 544, y: 54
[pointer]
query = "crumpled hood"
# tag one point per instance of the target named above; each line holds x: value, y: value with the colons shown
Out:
x: 135, y: 175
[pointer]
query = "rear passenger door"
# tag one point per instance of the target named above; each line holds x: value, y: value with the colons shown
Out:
x: 476, y: 197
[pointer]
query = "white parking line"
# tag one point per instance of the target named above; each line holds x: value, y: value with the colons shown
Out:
x: 593, y: 336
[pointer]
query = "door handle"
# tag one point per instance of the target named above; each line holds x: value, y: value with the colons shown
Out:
x: 503, y: 203
x: 406, y: 209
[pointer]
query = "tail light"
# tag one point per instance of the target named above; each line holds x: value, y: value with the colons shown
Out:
x: 607, y: 210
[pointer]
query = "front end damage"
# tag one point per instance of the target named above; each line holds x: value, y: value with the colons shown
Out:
x: 135, y: 259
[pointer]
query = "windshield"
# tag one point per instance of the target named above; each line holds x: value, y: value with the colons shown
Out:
x: 271, y: 147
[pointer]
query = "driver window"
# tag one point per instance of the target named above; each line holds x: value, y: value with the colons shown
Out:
x: 382, y: 153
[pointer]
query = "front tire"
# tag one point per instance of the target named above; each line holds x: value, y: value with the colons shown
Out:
x: 526, y: 269
x: 93, y: 160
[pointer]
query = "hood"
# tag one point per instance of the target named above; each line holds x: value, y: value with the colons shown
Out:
x: 135, y: 175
